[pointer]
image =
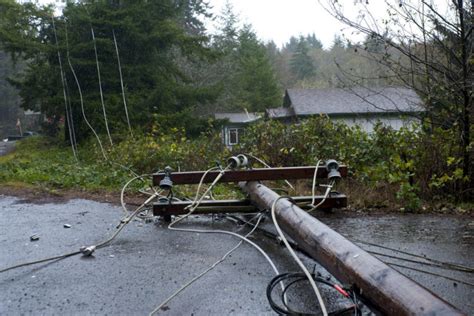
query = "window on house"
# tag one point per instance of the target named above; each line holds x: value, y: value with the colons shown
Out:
x: 233, y: 136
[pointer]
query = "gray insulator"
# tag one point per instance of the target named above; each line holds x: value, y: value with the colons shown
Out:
x: 87, y: 251
x: 332, y: 167
x: 166, y: 183
x: 233, y: 162
x: 244, y: 161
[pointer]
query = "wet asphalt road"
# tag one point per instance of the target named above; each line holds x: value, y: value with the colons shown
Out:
x: 448, y: 238
x: 145, y: 265
x: 147, y: 262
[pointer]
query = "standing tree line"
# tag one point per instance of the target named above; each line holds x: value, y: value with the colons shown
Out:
x: 429, y: 47
x: 157, y: 58
x: 171, y: 69
x: 303, y: 63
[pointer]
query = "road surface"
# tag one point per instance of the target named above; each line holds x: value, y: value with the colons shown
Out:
x: 147, y: 262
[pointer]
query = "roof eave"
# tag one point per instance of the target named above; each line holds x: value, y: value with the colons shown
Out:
x: 363, y: 113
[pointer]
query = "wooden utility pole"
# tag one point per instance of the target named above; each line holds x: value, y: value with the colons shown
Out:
x: 390, y: 291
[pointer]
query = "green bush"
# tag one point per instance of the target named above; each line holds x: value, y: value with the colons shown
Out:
x: 152, y: 152
x: 403, y: 167
x: 418, y: 163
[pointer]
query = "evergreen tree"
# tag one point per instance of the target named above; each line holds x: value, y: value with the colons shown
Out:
x: 292, y: 44
x: 149, y: 33
x: 256, y: 80
x: 227, y: 38
x: 313, y: 41
x: 337, y: 43
x: 301, y: 64
x: 245, y: 73
x: 192, y: 13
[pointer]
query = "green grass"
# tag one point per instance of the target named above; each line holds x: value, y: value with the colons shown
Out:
x: 47, y: 165
x: 41, y: 162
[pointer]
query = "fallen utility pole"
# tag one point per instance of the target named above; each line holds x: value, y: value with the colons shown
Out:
x: 390, y: 291
x: 165, y: 208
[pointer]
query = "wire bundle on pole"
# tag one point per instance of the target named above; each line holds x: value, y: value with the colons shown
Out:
x: 297, y: 277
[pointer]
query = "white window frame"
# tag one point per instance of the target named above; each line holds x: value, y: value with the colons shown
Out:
x: 229, y: 131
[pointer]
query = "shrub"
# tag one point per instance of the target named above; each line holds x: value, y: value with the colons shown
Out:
x: 418, y: 163
x: 407, y: 165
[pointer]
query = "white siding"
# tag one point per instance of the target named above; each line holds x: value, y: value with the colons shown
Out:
x: 367, y: 124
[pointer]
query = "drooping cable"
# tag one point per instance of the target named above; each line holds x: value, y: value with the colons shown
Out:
x: 63, y: 256
x: 63, y: 79
x: 71, y: 113
x: 192, y: 207
x: 428, y: 272
x: 326, y: 194
x: 102, y: 244
x: 298, y: 261
x: 198, y: 200
x: 260, y: 216
x: 121, y: 84
x: 432, y: 264
x: 315, y: 182
x: 268, y: 166
x: 122, y: 192
x: 100, y: 86
x: 453, y: 266
x: 81, y: 97
x: 124, y: 222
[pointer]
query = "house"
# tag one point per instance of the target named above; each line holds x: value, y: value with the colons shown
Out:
x: 233, y: 130
x: 392, y: 106
x: 32, y: 120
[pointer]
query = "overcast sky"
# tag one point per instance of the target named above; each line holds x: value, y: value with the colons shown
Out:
x: 278, y: 20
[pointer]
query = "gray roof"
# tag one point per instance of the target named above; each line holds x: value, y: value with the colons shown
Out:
x: 279, y: 112
x: 241, y: 117
x: 354, y: 100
